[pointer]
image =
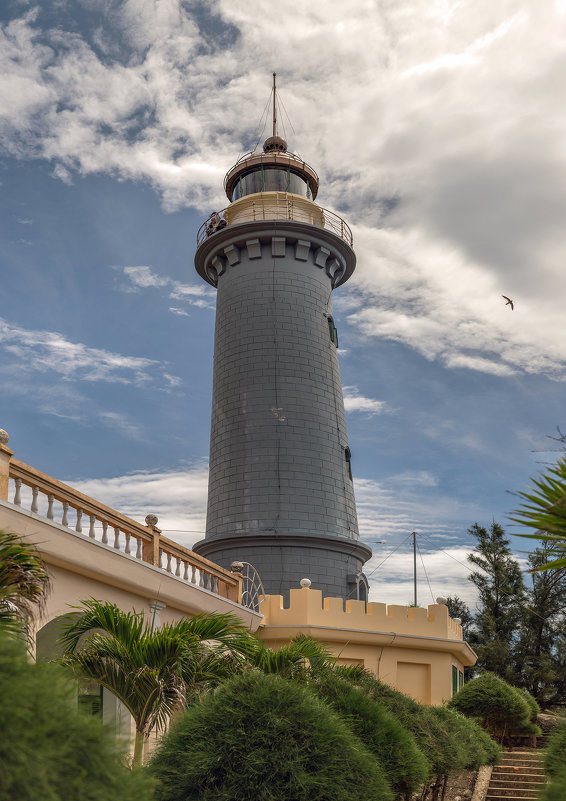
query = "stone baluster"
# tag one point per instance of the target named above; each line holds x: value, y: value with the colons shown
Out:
x: 117, y: 537
x: 65, y: 518
x: 91, y: 533
x: 128, y: 549
x: 50, y: 500
x: 139, y: 549
x: 18, y: 493
x: 186, y: 573
x: 104, y: 532
x: 79, y: 526
x: 178, y: 570
x: 159, y: 557
x: 34, y: 503
x: 194, y: 574
x: 202, y: 582
x: 169, y: 569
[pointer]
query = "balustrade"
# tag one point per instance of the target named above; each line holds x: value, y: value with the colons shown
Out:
x: 46, y: 497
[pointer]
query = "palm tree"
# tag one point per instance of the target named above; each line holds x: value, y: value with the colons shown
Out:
x: 152, y: 671
x: 23, y: 581
x: 545, y: 510
x: 298, y: 660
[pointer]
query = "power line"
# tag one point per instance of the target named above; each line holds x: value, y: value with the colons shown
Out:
x: 503, y: 592
x: 426, y: 574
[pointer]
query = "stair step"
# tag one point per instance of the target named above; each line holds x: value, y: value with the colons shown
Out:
x: 491, y: 796
x: 518, y: 777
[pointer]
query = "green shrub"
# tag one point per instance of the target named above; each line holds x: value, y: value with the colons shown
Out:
x: 469, y: 745
x: 498, y: 706
x: 555, y: 752
x: 263, y: 738
x: 435, y: 731
x: 414, y: 717
x: 405, y: 766
x: 533, y: 705
x: 556, y: 790
x: 48, y: 751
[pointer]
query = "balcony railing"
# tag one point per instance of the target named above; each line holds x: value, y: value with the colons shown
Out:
x: 58, y: 502
x: 274, y: 206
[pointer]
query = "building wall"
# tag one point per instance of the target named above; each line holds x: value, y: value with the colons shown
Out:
x: 411, y: 649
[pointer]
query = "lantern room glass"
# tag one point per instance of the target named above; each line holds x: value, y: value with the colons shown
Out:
x: 271, y: 179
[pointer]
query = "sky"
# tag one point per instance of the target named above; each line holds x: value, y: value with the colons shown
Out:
x: 438, y: 131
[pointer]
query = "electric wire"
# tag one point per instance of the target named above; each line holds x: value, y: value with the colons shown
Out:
x: 263, y: 115
x: 503, y: 592
x: 379, y: 565
x: 426, y: 574
x: 388, y: 555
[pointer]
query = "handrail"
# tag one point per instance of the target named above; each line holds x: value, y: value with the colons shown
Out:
x: 286, y: 209
x: 113, y: 529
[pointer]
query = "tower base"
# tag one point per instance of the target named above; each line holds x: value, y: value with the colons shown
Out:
x: 333, y: 564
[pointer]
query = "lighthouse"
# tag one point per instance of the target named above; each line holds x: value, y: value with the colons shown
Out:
x: 281, y: 492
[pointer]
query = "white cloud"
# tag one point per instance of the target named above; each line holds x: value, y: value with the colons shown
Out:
x: 439, y: 573
x: 354, y: 402
x: 145, y: 278
x: 449, y: 167
x: 408, y: 502
x: 50, y: 352
x: 177, y: 497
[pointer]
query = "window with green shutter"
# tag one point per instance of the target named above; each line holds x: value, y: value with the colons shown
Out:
x: 333, y: 331
x: 454, y: 679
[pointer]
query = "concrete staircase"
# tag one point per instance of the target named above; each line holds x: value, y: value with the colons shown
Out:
x: 518, y: 777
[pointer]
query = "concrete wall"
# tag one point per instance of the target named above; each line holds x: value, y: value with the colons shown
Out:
x: 81, y: 568
x: 411, y: 649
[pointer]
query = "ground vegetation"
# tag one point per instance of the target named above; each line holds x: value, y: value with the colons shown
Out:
x: 48, y: 750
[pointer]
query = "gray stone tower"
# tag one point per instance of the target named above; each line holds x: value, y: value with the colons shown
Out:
x: 280, y: 490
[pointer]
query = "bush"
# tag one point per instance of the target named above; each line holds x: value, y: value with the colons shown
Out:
x: 437, y: 732
x: 556, y: 790
x: 555, y: 753
x: 498, y: 706
x: 470, y: 745
x: 533, y: 705
x: 414, y: 717
x: 405, y: 766
x: 48, y: 750
x: 263, y: 738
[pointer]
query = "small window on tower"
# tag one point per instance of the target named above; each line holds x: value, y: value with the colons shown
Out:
x: 333, y: 331
x: 348, y: 457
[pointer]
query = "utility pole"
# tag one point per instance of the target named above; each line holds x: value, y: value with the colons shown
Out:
x: 415, y: 564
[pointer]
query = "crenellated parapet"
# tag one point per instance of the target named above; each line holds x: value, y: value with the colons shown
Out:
x: 308, y: 608
x: 301, y: 242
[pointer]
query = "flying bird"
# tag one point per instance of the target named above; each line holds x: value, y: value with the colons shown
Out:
x: 509, y: 301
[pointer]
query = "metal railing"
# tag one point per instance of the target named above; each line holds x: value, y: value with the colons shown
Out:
x: 287, y: 209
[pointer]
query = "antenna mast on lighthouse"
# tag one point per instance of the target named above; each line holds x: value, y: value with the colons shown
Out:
x: 274, y: 105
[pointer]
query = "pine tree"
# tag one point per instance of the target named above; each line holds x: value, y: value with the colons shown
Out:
x: 541, y: 647
x: 501, y: 599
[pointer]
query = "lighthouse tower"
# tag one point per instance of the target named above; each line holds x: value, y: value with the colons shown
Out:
x: 280, y: 489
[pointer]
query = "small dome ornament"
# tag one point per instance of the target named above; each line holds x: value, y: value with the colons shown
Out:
x: 275, y: 144
x: 4, y: 437
x: 305, y: 583
x: 441, y: 600
x: 151, y: 520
